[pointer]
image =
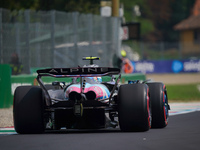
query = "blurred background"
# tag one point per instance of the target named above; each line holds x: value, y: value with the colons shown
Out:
x: 58, y: 33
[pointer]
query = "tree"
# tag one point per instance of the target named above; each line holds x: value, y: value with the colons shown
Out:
x: 17, y: 4
x: 167, y: 13
x: 147, y: 25
x: 82, y: 6
x: 158, y: 17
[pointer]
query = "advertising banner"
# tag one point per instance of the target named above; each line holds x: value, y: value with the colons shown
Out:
x: 166, y: 66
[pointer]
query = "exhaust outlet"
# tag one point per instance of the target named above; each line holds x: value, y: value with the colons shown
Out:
x: 91, y: 95
x: 75, y: 96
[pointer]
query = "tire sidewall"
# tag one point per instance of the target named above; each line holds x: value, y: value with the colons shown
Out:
x: 132, y: 107
x: 28, y: 110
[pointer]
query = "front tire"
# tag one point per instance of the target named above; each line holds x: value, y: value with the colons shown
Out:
x: 28, y: 110
x: 134, y: 110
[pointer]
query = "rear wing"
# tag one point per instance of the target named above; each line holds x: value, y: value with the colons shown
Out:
x: 73, y: 72
x: 78, y: 72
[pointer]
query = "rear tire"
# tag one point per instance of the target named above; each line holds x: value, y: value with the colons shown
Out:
x: 159, y: 104
x: 28, y: 110
x: 133, y: 105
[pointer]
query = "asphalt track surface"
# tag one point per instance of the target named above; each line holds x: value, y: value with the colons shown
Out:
x: 182, y: 133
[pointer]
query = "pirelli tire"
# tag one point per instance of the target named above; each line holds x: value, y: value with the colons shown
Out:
x: 159, y: 104
x: 133, y: 108
x: 28, y: 110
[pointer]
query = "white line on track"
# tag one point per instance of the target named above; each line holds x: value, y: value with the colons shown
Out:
x: 182, y: 108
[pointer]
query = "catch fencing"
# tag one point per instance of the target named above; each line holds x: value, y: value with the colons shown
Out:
x: 57, y: 39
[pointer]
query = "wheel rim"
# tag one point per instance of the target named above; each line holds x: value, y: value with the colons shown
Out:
x: 148, y: 109
x: 165, y: 107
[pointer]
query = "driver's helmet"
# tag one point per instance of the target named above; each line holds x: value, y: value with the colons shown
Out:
x: 93, y: 65
x: 93, y: 79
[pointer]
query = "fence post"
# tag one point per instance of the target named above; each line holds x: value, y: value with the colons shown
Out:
x: 116, y: 39
x: 162, y: 47
x: 103, y: 39
x: 17, y: 39
x: 52, y: 37
x: 119, y: 41
x: 27, y: 55
x: 1, y: 32
x: 180, y: 50
x: 90, y: 30
x: 38, y: 51
x: 75, y: 25
x: 142, y: 50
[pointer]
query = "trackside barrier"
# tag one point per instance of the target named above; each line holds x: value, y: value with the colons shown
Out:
x: 31, y: 79
x: 7, y: 91
x: 5, y: 88
x: 167, y: 66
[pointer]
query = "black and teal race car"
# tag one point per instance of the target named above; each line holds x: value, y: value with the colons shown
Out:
x: 88, y: 102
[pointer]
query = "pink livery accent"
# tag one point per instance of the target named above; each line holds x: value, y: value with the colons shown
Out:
x: 98, y: 91
x: 101, y: 91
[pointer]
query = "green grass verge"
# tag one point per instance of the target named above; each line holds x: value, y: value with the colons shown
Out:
x: 183, y: 92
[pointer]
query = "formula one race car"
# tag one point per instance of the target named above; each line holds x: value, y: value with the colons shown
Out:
x: 88, y: 102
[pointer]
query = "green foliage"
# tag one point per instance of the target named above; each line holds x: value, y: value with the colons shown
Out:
x: 183, y: 92
x: 146, y: 26
x: 17, y: 4
x: 128, y: 9
x: 158, y: 17
x: 82, y: 6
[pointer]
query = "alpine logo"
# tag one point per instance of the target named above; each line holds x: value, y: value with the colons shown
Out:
x: 78, y: 70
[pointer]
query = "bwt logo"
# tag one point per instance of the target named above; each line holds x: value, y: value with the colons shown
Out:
x: 187, y: 66
x: 192, y: 66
